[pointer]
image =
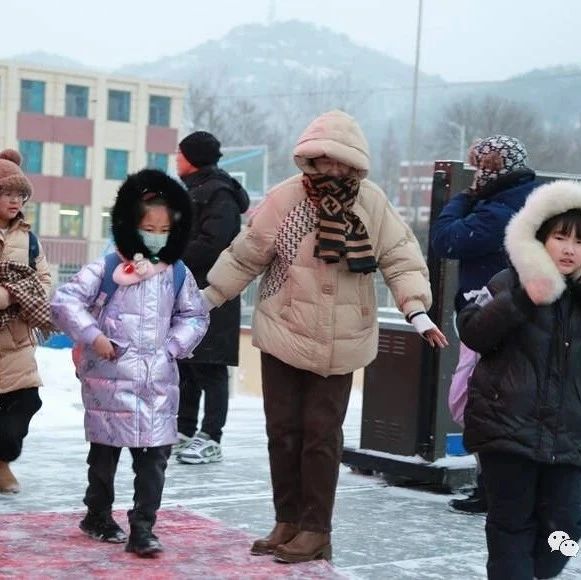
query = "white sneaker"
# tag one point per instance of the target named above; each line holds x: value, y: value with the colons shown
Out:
x: 183, y: 442
x: 201, y: 449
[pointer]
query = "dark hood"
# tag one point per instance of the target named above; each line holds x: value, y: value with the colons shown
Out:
x: 205, y: 182
x: 125, y: 214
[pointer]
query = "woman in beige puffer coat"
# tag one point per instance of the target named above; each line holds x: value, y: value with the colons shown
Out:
x: 317, y: 237
x: 19, y: 378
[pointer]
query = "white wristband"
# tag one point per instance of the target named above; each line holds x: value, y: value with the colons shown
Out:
x: 422, y: 322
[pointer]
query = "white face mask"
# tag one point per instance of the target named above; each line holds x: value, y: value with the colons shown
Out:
x: 154, y: 242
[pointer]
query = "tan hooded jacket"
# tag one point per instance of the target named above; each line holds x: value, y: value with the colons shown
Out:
x: 18, y: 368
x: 312, y: 315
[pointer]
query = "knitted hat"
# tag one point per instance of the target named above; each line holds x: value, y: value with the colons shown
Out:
x: 200, y: 148
x: 11, y: 176
x: 494, y: 157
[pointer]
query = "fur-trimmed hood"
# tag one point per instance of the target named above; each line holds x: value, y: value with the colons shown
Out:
x: 528, y: 255
x: 125, y: 214
x: 336, y: 135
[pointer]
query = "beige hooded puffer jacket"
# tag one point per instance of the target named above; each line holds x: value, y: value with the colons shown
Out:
x: 312, y: 315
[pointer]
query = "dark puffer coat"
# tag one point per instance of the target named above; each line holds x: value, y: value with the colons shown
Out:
x: 471, y: 229
x: 524, y: 396
x: 218, y: 201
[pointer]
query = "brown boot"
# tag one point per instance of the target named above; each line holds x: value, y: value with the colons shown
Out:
x: 305, y: 546
x: 280, y: 534
x: 8, y: 483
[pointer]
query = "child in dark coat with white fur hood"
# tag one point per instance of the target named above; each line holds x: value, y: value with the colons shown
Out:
x: 523, y: 414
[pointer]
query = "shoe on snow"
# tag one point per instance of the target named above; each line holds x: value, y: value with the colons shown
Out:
x: 102, y: 527
x: 143, y: 544
x: 201, y: 449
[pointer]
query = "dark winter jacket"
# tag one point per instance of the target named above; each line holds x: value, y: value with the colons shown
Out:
x: 524, y: 396
x: 218, y: 201
x: 471, y: 229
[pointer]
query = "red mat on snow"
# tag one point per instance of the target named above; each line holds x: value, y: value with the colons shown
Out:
x: 50, y: 545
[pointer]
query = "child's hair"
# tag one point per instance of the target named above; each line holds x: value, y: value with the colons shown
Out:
x: 563, y: 223
x: 152, y: 199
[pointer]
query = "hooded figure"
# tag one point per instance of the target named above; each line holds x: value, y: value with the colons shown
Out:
x: 523, y: 414
x: 149, y: 331
x: 317, y: 238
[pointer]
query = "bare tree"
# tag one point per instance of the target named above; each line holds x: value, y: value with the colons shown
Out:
x: 471, y: 118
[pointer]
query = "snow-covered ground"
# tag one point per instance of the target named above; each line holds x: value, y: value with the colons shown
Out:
x: 381, y: 531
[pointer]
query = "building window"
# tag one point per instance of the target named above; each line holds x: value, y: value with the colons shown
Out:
x: 159, y: 108
x: 106, y: 233
x: 75, y: 161
x: 116, y: 164
x: 71, y: 221
x: 157, y: 161
x: 119, y: 107
x: 31, y: 156
x: 32, y: 96
x: 76, y: 101
x: 31, y: 211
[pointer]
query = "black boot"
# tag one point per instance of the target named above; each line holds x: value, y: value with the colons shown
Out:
x: 102, y: 527
x: 142, y: 541
x: 475, y: 503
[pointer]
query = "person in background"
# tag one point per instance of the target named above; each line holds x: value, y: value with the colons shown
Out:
x: 24, y: 292
x: 523, y: 415
x: 130, y: 344
x: 218, y: 201
x: 318, y: 238
x: 471, y: 229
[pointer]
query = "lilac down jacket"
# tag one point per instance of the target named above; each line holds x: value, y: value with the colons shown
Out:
x: 132, y: 401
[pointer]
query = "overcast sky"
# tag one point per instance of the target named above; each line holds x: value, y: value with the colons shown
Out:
x: 462, y: 40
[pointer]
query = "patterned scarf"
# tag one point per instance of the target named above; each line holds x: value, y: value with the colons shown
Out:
x: 31, y: 302
x: 339, y: 231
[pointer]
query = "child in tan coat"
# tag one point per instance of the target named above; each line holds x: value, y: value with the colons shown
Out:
x: 24, y: 289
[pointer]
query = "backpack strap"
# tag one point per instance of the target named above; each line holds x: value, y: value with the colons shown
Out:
x: 108, y: 285
x: 179, y: 276
x: 33, y: 249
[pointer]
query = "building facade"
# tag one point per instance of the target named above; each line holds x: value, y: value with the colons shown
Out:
x: 80, y: 134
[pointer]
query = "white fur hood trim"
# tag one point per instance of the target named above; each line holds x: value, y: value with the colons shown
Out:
x: 527, y: 254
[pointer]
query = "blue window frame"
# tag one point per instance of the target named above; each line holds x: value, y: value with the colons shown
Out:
x: 76, y: 101
x: 159, y: 110
x: 75, y: 161
x: 119, y: 106
x: 157, y: 161
x: 116, y: 164
x: 31, y: 156
x: 32, y: 96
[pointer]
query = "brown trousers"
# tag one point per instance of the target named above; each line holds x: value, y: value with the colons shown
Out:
x: 304, y: 415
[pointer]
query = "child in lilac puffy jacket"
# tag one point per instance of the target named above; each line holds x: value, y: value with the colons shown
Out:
x: 128, y: 366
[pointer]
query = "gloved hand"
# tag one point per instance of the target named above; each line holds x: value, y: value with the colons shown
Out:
x: 5, y: 298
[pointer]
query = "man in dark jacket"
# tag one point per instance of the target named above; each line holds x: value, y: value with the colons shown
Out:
x: 471, y: 229
x: 218, y: 202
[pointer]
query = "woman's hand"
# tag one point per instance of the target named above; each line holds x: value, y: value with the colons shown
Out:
x: 436, y: 337
x: 103, y: 347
